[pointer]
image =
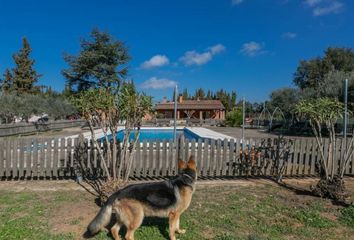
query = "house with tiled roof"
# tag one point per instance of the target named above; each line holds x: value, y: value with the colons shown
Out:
x: 192, y: 109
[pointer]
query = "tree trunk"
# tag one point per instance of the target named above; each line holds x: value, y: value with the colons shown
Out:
x: 331, y: 188
x: 99, y: 149
x: 132, y: 155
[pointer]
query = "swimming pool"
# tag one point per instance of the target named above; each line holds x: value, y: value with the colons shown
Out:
x: 159, y: 134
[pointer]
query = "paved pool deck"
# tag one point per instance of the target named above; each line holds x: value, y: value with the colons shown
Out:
x: 236, y: 132
x: 208, y: 133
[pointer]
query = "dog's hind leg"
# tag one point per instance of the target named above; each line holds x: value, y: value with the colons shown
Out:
x: 130, y: 234
x: 115, y: 231
x: 136, y: 219
x: 131, y: 215
x: 116, y: 227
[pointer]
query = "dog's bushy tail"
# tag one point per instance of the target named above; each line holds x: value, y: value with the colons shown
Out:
x: 101, y: 220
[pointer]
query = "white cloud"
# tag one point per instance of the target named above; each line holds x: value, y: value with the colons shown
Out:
x: 218, y: 48
x: 195, y: 58
x: 155, y: 61
x: 252, y: 49
x: 236, y: 2
x: 289, y: 35
x: 156, y: 83
x: 333, y: 7
x: 312, y: 2
x: 324, y: 7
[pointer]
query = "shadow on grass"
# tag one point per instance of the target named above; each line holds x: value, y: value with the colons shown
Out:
x: 294, y: 189
x: 309, y: 192
x: 160, y: 223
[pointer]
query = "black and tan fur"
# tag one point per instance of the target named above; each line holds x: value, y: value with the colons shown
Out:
x: 130, y: 205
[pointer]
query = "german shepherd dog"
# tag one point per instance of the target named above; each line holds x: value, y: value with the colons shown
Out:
x: 131, y: 204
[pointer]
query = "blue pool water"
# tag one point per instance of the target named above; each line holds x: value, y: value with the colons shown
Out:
x: 159, y: 134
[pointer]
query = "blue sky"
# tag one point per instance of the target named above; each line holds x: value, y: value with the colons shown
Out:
x: 250, y: 46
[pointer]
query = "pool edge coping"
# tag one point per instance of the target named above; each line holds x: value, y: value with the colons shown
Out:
x: 199, y: 131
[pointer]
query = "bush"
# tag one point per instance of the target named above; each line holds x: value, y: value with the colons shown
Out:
x: 59, y: 107
x: 25, y: 105
x: 234, y: 118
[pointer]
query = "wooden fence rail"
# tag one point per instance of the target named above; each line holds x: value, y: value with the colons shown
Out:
x: 56, y: 158
x: 26, y: 128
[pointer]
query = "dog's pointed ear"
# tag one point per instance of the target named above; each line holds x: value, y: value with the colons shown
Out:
x: 191, y: 163
x: 181, y: 164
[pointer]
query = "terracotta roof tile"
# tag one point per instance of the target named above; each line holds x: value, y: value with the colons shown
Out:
x: 192, y: 104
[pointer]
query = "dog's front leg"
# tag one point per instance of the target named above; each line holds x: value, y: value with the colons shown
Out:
x: 178, y: 229
x: 172, y: 224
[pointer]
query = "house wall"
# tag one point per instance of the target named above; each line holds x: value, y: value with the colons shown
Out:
x: 198, y: 114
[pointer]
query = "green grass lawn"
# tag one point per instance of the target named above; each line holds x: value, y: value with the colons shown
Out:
x: 217, y: 212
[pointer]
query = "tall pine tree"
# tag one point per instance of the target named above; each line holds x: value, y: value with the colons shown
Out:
x: 185, y: 94
x: 101, y: 63
x: 199, y: 94
x: 6, y: 84
x: 209, y: 95
x: 24, y: 75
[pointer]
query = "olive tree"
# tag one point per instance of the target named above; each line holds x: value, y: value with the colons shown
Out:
x: 58, y: 107
x: 323, y: 113
x: 26, y: 105
x: 106, y: 111
x: 9, y: 103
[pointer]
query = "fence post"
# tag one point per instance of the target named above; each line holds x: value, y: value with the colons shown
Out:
x: 137, y: 160
x: 307, y: 157
x: 199, y: 156
x: 164, y: 159
x: 211, y: 164
x: 2, y: 157
x: 151, y: 159
x: 218, y: 158
x: 180, y: 149
x: 186, y: 149
x: 157, y: 159
x: 172, y: 152
x: 205, y: 161
x: 231, y: 161
x: 145, y: 159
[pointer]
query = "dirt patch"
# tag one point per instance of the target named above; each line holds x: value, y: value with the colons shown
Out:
x: 329, y: 216
x: 208, y: 233
x: 74, y: 217
x: 296, y: 199
x: 70, y: 185
x: 40, y: 186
